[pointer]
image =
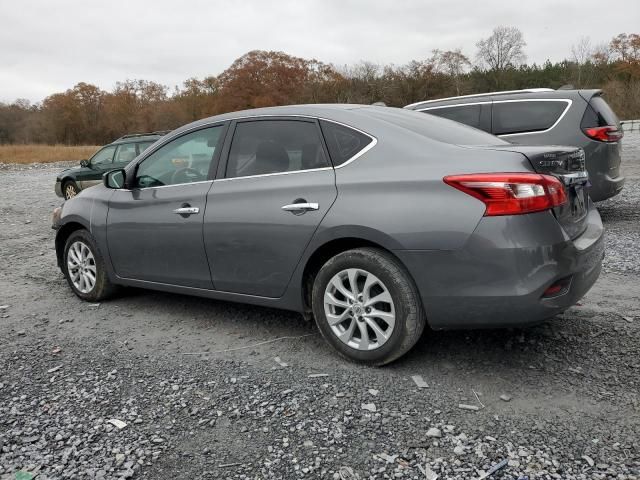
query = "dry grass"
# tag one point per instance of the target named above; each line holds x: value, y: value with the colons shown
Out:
x: 44, y: 153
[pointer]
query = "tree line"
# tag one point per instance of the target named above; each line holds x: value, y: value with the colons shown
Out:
x: 86, y: 114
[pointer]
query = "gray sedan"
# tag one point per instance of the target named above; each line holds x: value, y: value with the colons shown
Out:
x: 374, y: 221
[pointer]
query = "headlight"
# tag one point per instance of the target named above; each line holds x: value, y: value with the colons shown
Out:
x: 55, y: 218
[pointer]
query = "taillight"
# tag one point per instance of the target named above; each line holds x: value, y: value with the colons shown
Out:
x: 604, y: 134
x: 511, y: 193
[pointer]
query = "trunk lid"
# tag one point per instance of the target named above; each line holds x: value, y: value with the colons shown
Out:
x: 568, y: 165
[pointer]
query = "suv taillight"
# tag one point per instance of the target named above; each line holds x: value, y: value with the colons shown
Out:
x: 511, y: 193
x: 604, y: 134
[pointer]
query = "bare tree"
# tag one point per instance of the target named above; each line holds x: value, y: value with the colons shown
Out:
x: 502, y: 50
x: 452, y: 62
x: 582, y: 53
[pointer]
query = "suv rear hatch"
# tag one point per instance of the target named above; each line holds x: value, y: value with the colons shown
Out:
x: 601, y: 125
x: 568, y: 165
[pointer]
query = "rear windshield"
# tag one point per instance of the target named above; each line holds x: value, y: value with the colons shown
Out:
x: 435, y: 128
x: 467, y: 114
x: 598, y: 114
x: 528, y: 116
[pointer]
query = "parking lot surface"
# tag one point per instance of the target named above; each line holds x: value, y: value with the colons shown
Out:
x: 162, y: 386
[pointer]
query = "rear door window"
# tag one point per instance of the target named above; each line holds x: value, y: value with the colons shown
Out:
x: 125, y: 153
x: 343, y: 142
x: 262, y: 147
x: 467, y: 114
x: 525, y: 116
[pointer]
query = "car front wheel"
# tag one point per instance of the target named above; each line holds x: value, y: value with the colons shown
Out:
x: 84, y: 268
x: 367, y: 307
x: 70, y: 189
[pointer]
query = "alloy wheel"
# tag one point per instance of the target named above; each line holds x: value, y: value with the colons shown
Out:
x: 359, y: 309
x: 70, y: 192
x: 81, y: 265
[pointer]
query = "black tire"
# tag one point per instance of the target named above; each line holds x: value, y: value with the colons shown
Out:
x: 69, y: 186
x: 103, y: 288
x: 410, y: 318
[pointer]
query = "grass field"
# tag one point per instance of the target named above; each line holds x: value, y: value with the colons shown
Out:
x: 44, y: 153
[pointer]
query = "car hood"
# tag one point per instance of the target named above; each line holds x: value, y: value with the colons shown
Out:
x: 72, y: 171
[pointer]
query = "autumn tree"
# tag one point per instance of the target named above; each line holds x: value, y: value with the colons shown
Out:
x: 625, y: 49
x: 266, y: 78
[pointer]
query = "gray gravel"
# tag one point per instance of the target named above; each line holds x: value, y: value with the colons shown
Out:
x: 560, y: 400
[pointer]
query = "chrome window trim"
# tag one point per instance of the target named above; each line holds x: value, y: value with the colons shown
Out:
x: 160, y: 186
x: 568, y: 101
x: 273, y: 174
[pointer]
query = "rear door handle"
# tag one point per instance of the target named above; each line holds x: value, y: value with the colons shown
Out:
x: 300, y: 207
x: 186, y: 210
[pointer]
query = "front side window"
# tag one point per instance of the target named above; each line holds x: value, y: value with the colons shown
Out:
x: 467, y: 114
x: 186, y: 159
x: 104, y: 157
x: 142, y: 146
x: 262, y: 147
x: 343, y: 142
x: 125, y: 153
x: 520, y: 117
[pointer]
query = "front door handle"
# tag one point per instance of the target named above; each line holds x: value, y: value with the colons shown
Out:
x: 300, y: 207
x: 186, y: 210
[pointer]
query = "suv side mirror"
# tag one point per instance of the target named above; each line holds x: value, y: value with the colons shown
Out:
x: 84, y: 163
x: 114, y: 179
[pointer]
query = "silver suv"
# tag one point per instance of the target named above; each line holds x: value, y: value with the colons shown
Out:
x: 542, y: 116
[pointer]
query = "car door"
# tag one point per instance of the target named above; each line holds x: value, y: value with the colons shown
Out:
x: 100, y: 163
x: 154, y: 226
x: 268, y: 200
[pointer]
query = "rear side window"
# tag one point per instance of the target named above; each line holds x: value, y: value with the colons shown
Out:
x: 467, y: 114
x: 262, y: 147
x: 520, y: 117
x: 598, y: 114
x: 343, y: 142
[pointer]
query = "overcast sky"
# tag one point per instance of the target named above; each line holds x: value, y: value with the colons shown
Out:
x: 49, y: 46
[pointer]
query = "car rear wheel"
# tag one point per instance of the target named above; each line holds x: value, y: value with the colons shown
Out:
x: 367, y: 307
x: 84, y: 268
x: 70, y: 189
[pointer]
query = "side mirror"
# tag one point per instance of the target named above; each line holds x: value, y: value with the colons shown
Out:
x: 84, y: 163
x: 114, y: 179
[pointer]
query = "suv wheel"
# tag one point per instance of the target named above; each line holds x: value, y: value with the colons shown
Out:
x: 367, y: 307
x: 70, y: 189
x: 84, y: 268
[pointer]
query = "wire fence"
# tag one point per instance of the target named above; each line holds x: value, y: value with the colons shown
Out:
x: 630, y: 125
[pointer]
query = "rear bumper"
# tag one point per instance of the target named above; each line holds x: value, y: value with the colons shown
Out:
x: 604, y: 186
x: 498, y: 279
x: 58, y: 188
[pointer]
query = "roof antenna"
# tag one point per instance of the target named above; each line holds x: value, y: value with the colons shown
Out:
x: 379, y: 104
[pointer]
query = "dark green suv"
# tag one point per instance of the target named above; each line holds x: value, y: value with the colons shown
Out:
x: 110, y: 157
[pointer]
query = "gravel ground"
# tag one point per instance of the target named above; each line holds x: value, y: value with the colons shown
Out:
x: 560, y: 400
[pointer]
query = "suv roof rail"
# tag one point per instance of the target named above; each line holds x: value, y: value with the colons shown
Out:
x: 505, y: 92
x: 133, y: 135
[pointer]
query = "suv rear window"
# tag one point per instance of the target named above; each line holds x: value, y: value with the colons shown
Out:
x: 343, y: 142
x: 467, y: 114
x: 598, y: 114
x: 528, y: 116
